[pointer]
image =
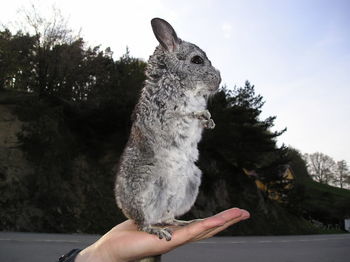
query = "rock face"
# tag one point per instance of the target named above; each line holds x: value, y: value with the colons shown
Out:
x: 13, y: 163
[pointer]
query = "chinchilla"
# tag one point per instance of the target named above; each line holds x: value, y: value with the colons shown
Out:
x: 157, y: 178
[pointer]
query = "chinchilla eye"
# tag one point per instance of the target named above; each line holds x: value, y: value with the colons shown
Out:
x: 197, y: 60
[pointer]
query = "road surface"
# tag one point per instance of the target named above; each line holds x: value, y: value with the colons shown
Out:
x: 33, y: 247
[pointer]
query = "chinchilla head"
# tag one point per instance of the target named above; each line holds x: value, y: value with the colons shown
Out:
x: 184, y: 60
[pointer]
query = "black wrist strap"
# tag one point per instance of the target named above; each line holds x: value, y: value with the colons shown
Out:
x: 70, y: 256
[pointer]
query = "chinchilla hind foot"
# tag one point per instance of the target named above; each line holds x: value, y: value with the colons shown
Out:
x: 161, y: 232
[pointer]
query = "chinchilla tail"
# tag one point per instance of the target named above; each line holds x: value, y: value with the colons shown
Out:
x: 151, y: 259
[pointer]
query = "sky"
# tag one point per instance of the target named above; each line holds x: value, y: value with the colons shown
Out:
x: 295, y: 52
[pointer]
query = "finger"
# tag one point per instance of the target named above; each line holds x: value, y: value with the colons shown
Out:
x: 192, y: 231
x: 187, y: 233
x: 231, y: 216
x: 244, y: 215
x: 217, y: 230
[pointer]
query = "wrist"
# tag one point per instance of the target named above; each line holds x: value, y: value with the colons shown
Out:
x: 86, y: 255
x: 94, y: 253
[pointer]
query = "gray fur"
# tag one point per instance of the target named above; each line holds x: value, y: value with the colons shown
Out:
x: 157, y: 178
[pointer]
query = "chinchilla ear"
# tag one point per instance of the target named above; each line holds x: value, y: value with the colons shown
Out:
x: 165, y: 34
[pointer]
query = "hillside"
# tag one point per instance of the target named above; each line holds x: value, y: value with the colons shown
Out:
x: 319, y: 201
x: 56, y: 174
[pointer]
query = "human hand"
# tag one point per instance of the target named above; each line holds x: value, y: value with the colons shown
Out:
x: 125, y: 243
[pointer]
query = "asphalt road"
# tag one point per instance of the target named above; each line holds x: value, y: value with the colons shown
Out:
x: 32, y: 247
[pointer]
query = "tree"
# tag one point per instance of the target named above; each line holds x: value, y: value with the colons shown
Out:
x: 50, y: 60
x: 50, y: 34
x: 16, y: 56
x: 240, y: 136
x: 342, y: 174
x: 321, y: 167
x: 347, y: 181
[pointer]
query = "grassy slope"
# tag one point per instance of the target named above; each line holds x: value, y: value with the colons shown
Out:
x: 322, y: 202
x: 330, y: 202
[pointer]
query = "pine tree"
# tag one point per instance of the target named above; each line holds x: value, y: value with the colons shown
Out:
x: 240, y: 136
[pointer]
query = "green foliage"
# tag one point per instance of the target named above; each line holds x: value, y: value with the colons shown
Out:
x: 79, y: 108
x: 56, y: 135
x: 71, y: 188
x: 17, y: 211
x: 240, y: 136
x: 64, y: 68
x: 16, y: 56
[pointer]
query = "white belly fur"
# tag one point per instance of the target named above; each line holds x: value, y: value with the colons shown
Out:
x: 181, y: 178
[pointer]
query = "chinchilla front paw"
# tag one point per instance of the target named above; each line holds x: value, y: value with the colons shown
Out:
x: 208, y: 124
x: 202, y: 115
x: 205, y: 118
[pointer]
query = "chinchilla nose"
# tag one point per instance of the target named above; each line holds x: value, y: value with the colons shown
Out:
x: 217, y: 78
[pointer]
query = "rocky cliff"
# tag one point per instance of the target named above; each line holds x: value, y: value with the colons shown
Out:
x: 13, y: 163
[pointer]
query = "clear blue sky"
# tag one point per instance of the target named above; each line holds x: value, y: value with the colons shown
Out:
x: 295, y: 52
